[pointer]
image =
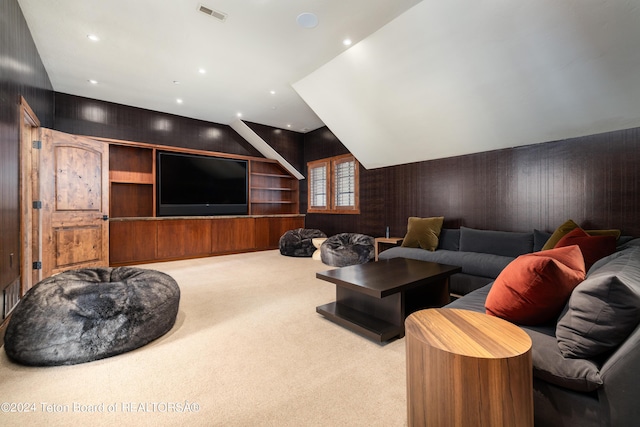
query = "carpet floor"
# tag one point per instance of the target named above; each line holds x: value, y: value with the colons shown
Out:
x: 247, y: 349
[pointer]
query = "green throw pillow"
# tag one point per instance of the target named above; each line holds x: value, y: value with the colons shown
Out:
x: 560, y: 232
x: 423, y: 233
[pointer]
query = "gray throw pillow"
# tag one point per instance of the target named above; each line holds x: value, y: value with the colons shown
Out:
x: 602, y: 311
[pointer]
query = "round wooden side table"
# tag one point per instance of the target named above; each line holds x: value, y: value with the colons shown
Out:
x: 467, y: 369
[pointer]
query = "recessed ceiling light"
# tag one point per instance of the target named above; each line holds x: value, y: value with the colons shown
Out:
x: 176, y: 82
x: 272, y: 92
x: 93, y: 82
x: 202, y: 71
x: 179, y: 101
x: 289, y: 125
x: 93, y: 37
x: 239, y: 114
x: 307, y: 20
x: 346, y: 42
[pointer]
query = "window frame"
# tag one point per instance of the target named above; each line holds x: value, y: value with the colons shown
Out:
x: 331, y: 192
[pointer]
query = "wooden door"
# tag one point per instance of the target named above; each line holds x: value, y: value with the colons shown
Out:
x: 74, y: 190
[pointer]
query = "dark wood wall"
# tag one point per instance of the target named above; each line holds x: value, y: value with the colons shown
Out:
x: 21, y: 74
x: 86, y: 116
x: 594, y: 180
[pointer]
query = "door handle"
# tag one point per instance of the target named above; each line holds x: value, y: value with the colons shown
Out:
x: 105, y: 217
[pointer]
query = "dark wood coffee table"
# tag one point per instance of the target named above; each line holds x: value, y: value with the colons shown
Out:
x: 373, y: 299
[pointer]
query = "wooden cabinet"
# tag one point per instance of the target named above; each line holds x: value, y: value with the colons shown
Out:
x: 137, y: 235
x: 134, y: 241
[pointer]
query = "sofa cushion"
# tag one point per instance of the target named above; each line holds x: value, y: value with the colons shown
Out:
x: 548, y: 363
x: 603, y: 310
x: 503, y: 243
x: 477, y: 264
x: 559, y: 233
x: 449, y: 239
x: 539, y: 239
x: 423, y: 233
x: 534, y: 288
x: 581, y: 375
x: 592, y: 247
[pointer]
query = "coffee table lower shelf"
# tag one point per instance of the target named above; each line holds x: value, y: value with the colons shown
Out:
x: 359, y: 322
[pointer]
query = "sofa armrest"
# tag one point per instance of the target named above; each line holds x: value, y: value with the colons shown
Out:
x: 621, y: 376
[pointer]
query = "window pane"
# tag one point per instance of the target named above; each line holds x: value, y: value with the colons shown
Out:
x: 345, y: 183
x: 318, y: 183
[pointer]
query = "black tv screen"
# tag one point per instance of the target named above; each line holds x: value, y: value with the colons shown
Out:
x: 189, y: 184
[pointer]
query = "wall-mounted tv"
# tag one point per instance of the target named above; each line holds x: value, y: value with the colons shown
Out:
x: 189, y: 184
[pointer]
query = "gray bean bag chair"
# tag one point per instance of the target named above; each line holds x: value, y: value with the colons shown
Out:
x: 298, y: 243
x: 347, y: 249
x: 84, y: 315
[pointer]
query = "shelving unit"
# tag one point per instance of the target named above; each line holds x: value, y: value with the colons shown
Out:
x: 273, y: 190
x: 131, y: 181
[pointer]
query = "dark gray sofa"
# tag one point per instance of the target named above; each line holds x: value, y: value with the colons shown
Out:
x: 599, y: 391
x: 482, y: 254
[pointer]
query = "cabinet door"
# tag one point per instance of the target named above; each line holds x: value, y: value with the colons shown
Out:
x: 232, y: 235
x: 270, y: 229
x: 132, y: 241
x: 184, y: 238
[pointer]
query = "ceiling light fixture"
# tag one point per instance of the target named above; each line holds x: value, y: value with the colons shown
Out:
x: 202, y: 71
x: 346, y: 42
x: 93, y: 82
x: 93, y: 37
x: 179, y: 101
x: 176, y: 82
x: 273, y: 92
x: 307, y: 20
x: 239, y: 114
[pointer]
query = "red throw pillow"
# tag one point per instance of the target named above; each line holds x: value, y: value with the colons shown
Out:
x: 593, y: 247
x: 535, y: 287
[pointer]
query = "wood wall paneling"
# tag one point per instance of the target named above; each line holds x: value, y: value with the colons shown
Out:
x: 593, y: 180
x: 289, y: 144
x: 85, y: 116
x: 22, y: 74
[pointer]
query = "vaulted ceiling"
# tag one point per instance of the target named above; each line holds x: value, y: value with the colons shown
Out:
x: 421, y: 80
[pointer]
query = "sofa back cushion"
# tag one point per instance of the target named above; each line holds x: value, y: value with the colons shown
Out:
x: 449, y: 239
x: 603, y: 310
x: 502, y: 243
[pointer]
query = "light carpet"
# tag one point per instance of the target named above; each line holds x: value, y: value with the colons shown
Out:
x: 247, y: 349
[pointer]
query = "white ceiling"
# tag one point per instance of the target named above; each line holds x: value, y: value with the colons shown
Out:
x: 147, y: 44
x: 424, y: 79
x: 462, y: 76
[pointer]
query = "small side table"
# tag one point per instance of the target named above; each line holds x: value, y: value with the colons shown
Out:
x: 317, y: 242
x: 386, y: 243
x: 467, y: 369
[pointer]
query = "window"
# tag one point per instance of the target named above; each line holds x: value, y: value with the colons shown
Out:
x: 333, y: 185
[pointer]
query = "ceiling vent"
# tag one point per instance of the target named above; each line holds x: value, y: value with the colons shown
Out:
x: 220, y: 16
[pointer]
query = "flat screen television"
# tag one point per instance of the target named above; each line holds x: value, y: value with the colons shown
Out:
x: 189, y: 184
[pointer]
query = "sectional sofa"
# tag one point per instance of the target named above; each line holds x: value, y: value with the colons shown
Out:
x: 586, y: 360
x: 482, y: 254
